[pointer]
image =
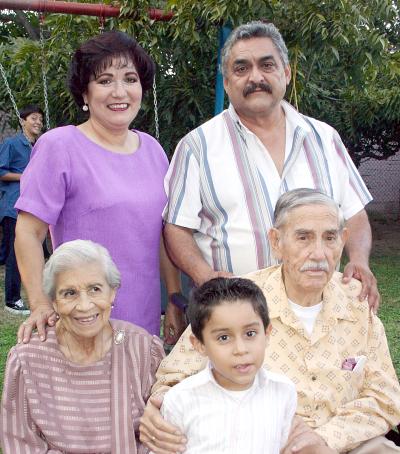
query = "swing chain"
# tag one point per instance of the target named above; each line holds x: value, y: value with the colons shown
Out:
x: 9, y: 92
x: 156, y: 109
x: 43, y: 65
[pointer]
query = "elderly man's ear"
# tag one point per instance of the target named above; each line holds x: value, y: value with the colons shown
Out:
x: 345, y: 235
x: 274, y: 237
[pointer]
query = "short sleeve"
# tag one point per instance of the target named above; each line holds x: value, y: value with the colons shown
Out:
x: 45, y: 181
x: 182, y: 185
x: 5, y: 157
x: 354, y: 192
x: 18, y: 431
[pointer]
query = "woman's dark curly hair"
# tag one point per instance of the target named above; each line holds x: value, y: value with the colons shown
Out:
x: 98, y: 53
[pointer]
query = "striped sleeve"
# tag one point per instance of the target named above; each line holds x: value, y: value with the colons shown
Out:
x: 355, y: 194
x: 19, y: 434
x: 182, y: 185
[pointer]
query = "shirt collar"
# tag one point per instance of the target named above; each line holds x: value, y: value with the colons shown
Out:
x: 292, y: 116
x: 24, y: 139
x: 206, y: 376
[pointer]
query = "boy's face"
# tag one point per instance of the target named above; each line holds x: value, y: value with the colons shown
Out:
x: 234, y: 339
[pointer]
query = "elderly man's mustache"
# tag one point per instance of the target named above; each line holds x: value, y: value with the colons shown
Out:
x: 252, y: 87
x: 315, y: 266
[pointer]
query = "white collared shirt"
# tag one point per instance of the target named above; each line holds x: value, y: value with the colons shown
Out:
x: 217, y: 421
x: 223, y: 184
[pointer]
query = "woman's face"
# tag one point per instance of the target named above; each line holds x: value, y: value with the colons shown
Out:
x: 83, y: 300
x: 114, y: 95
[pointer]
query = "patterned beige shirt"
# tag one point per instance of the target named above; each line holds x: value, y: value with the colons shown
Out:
x: 345, y: 407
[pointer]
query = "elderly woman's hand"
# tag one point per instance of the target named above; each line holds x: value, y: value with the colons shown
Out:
x: 157, y: 434
x: 40, y: 316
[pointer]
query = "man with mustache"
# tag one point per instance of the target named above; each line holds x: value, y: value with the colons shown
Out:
x: 328, y: 343
x: 227, y: 174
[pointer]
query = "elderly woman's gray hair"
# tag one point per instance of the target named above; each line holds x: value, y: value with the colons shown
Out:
x: 73, y: 254
x: 295, y: 198
x: 255, y: 29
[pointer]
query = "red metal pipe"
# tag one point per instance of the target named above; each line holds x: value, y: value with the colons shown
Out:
x: 83, y: 9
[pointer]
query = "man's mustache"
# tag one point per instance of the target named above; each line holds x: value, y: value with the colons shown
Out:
x: 252, y: 87
x: 315, y: 266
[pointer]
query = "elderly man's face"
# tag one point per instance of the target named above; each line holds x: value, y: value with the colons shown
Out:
x: 256, y: 78
x: 309, y: 244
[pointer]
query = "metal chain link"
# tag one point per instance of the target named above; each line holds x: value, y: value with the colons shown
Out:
x: 21, y: 122
x: 44, y: 79
x: 9, y: 92
x: 156, y: 109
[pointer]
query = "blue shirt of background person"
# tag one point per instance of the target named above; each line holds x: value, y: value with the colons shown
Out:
x: 15, y: 153
x: 14, y: 157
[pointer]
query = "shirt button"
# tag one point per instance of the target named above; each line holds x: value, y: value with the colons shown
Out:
x: 313, y: 378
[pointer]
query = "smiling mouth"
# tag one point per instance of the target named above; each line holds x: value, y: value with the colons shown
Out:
x: 87, y: 320
x: 119, y: 106
x: 243, y: 368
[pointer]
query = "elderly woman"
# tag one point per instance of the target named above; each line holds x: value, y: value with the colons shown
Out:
x: 84, y: 388
x: 104, y: 182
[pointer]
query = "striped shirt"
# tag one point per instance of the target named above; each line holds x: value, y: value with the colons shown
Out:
x: 223, y: 183
x: 217, y: 421
x: 52, y: 405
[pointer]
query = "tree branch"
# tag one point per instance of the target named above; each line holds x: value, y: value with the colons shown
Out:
x: 20, y: 17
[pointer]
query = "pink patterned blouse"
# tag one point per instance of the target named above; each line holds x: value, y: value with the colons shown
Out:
x: 51, y: 405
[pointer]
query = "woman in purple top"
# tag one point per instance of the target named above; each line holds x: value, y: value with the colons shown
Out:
x: 103, y: 182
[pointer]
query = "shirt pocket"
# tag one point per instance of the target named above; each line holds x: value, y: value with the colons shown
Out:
x: 346, y: 386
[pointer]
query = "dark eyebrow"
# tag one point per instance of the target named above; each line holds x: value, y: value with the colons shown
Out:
x: 219, y: 330
x: 240, y: 61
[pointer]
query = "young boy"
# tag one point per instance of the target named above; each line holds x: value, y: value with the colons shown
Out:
x: 234, y: 405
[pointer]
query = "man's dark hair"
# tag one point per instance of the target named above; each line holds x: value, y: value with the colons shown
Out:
x: 30, y: 109
x: 224, y: 290
x: 98, y: 53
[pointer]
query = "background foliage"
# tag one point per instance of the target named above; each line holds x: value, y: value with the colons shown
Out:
x: 344, y: 54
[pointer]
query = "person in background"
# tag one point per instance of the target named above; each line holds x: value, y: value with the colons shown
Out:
x: 84, y: 389
x: 222, y: 408
x: 101, y: 181
x: 15, y: 153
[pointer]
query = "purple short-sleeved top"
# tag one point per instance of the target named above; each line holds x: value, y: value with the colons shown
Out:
x: 84, y: 191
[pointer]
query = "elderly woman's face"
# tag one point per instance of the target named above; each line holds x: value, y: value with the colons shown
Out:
x: 114, y: 95
x: 83, y: 299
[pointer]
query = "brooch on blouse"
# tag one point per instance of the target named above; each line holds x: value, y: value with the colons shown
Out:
x: 119, y: 336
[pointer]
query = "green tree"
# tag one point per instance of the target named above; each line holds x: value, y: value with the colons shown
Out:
x: 344, y: 56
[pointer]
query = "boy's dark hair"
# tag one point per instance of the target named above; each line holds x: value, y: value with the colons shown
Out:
x: 96, y: 54
x: 30, y: 109
x: 224, y: 290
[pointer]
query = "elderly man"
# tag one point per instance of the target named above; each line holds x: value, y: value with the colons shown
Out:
x: 327, y: 342
x: 227, y: 174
